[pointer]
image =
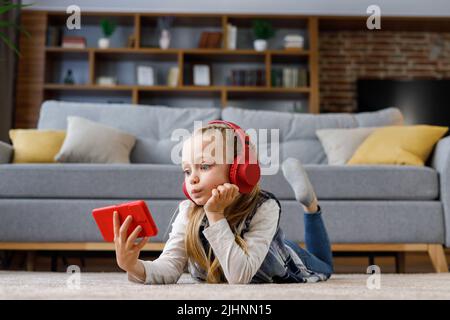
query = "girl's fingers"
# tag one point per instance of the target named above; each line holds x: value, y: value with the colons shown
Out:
x: 222, y: 191
x: 133, y: 236
x: 116, y: 224
x: 142, y: 243
x: 124, y: 228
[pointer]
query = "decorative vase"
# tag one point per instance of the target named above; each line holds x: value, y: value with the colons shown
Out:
x: 103, y: 43
x: 260, y: 44
x: 164, y: 40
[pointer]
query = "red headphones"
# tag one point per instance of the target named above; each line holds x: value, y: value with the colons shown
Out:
x: 242, y: 173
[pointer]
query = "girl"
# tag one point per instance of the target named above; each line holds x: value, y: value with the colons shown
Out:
x: 223, y: 235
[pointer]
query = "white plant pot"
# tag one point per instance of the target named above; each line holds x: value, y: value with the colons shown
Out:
x: 260, y: 45
x: 103, y: 43
x: 164, y: 40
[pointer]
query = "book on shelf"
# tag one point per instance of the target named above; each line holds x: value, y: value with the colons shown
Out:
x: 210, y: 40
x: 252, y: 78
x: 53, y: 37
x: 289, y: 77
x: 172, y: 78
x: 74, y: 42
x: 293, y: 41
x: 231, y: 37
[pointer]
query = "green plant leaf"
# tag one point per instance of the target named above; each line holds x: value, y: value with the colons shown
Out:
x: 5, y: 7
x: 7, y: 24
x: 108, y: 27
x: 9, y: 43
x: 262, y: 29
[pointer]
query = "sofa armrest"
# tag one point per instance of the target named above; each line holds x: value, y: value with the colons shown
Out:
x: 441, y: 163
x: 6, y: 151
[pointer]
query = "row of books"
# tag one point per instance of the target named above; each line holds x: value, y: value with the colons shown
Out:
x: 54, y: 38
x: 73, y: 42
x: 247, y: 77
x: 289, y: 77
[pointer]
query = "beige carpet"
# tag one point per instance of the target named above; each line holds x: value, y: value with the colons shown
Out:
x: 46, y: 285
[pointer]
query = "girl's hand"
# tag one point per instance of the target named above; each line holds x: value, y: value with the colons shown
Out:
x: 221, y: 197
x: 127, y: 252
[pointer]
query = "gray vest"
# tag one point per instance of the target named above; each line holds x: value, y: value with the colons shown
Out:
x: 281, y: 264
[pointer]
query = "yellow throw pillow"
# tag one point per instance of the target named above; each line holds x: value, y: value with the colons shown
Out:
x: 405, y: 145
x: 36, y: 146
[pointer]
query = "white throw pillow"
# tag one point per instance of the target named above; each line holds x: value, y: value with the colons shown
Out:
x: 91, y: 142
x: 340, y: 144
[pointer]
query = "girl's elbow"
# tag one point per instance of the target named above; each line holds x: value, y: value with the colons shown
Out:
x: 238, y: 280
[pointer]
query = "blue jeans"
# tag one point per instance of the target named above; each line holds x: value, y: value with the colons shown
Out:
x: 317, y: 256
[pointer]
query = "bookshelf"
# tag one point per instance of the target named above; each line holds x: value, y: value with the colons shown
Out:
x: 120, y: 60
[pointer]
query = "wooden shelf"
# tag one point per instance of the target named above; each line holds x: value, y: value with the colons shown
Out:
x: 47, y: 66
x: 217, y: 51
x: 56, y: 86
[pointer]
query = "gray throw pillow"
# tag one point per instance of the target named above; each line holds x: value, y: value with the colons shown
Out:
x: 6, y: 152
x: 91, y: 142
x: 341, y: 144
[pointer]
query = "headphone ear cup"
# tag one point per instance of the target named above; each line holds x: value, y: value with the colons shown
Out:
x: 233, y: 173
x: 244, y: 175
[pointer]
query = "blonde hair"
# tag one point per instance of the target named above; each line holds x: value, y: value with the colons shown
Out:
x: 236, y: 214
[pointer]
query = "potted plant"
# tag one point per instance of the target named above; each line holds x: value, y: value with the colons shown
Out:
x: 4, y: 8
x: 164, y: 24
x: 262, y: 30
x: 108, y: 28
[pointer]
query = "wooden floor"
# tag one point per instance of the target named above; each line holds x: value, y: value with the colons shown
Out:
x: 96, y: 261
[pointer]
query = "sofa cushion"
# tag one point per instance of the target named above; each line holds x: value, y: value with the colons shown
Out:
x: 363, y: 183
x: 340, y: 144
x: 83, y: 180
x: 151, y: 181
x: 91, y: 142
x: 6, y: 151
x: 384, y: 182
x: 36, y: 146
x: 60, y: 220
x: 297, y: 132
x: 409, y: 145
x: 151, y: 125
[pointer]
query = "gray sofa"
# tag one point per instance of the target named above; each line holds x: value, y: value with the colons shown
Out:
x: 373, y: 208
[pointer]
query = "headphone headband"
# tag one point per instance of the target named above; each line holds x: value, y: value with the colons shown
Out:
x: 241, y: 134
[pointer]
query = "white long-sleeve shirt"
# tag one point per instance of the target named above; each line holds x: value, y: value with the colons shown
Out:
x: 238, y: 266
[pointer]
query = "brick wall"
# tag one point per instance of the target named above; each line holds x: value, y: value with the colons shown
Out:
x: 346, y: 56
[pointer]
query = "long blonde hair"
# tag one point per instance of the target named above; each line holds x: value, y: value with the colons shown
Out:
x: 236, y: 214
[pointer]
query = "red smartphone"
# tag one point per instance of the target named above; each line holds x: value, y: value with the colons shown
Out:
x: 137, y: 209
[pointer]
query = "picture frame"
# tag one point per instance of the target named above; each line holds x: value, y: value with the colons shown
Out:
x: 201, y: 75
x: 145, y: 76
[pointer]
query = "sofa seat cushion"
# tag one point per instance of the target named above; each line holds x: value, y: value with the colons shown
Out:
x: 162, y: 181
x: 91, y: 181
x: 60, y: 220
x: 383, y: 182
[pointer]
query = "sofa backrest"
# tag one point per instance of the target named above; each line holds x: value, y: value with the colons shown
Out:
x: 297, y: 132
x: 152, y: 125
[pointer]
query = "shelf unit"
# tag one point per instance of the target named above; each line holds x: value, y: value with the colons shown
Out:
x: 119, y: 60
